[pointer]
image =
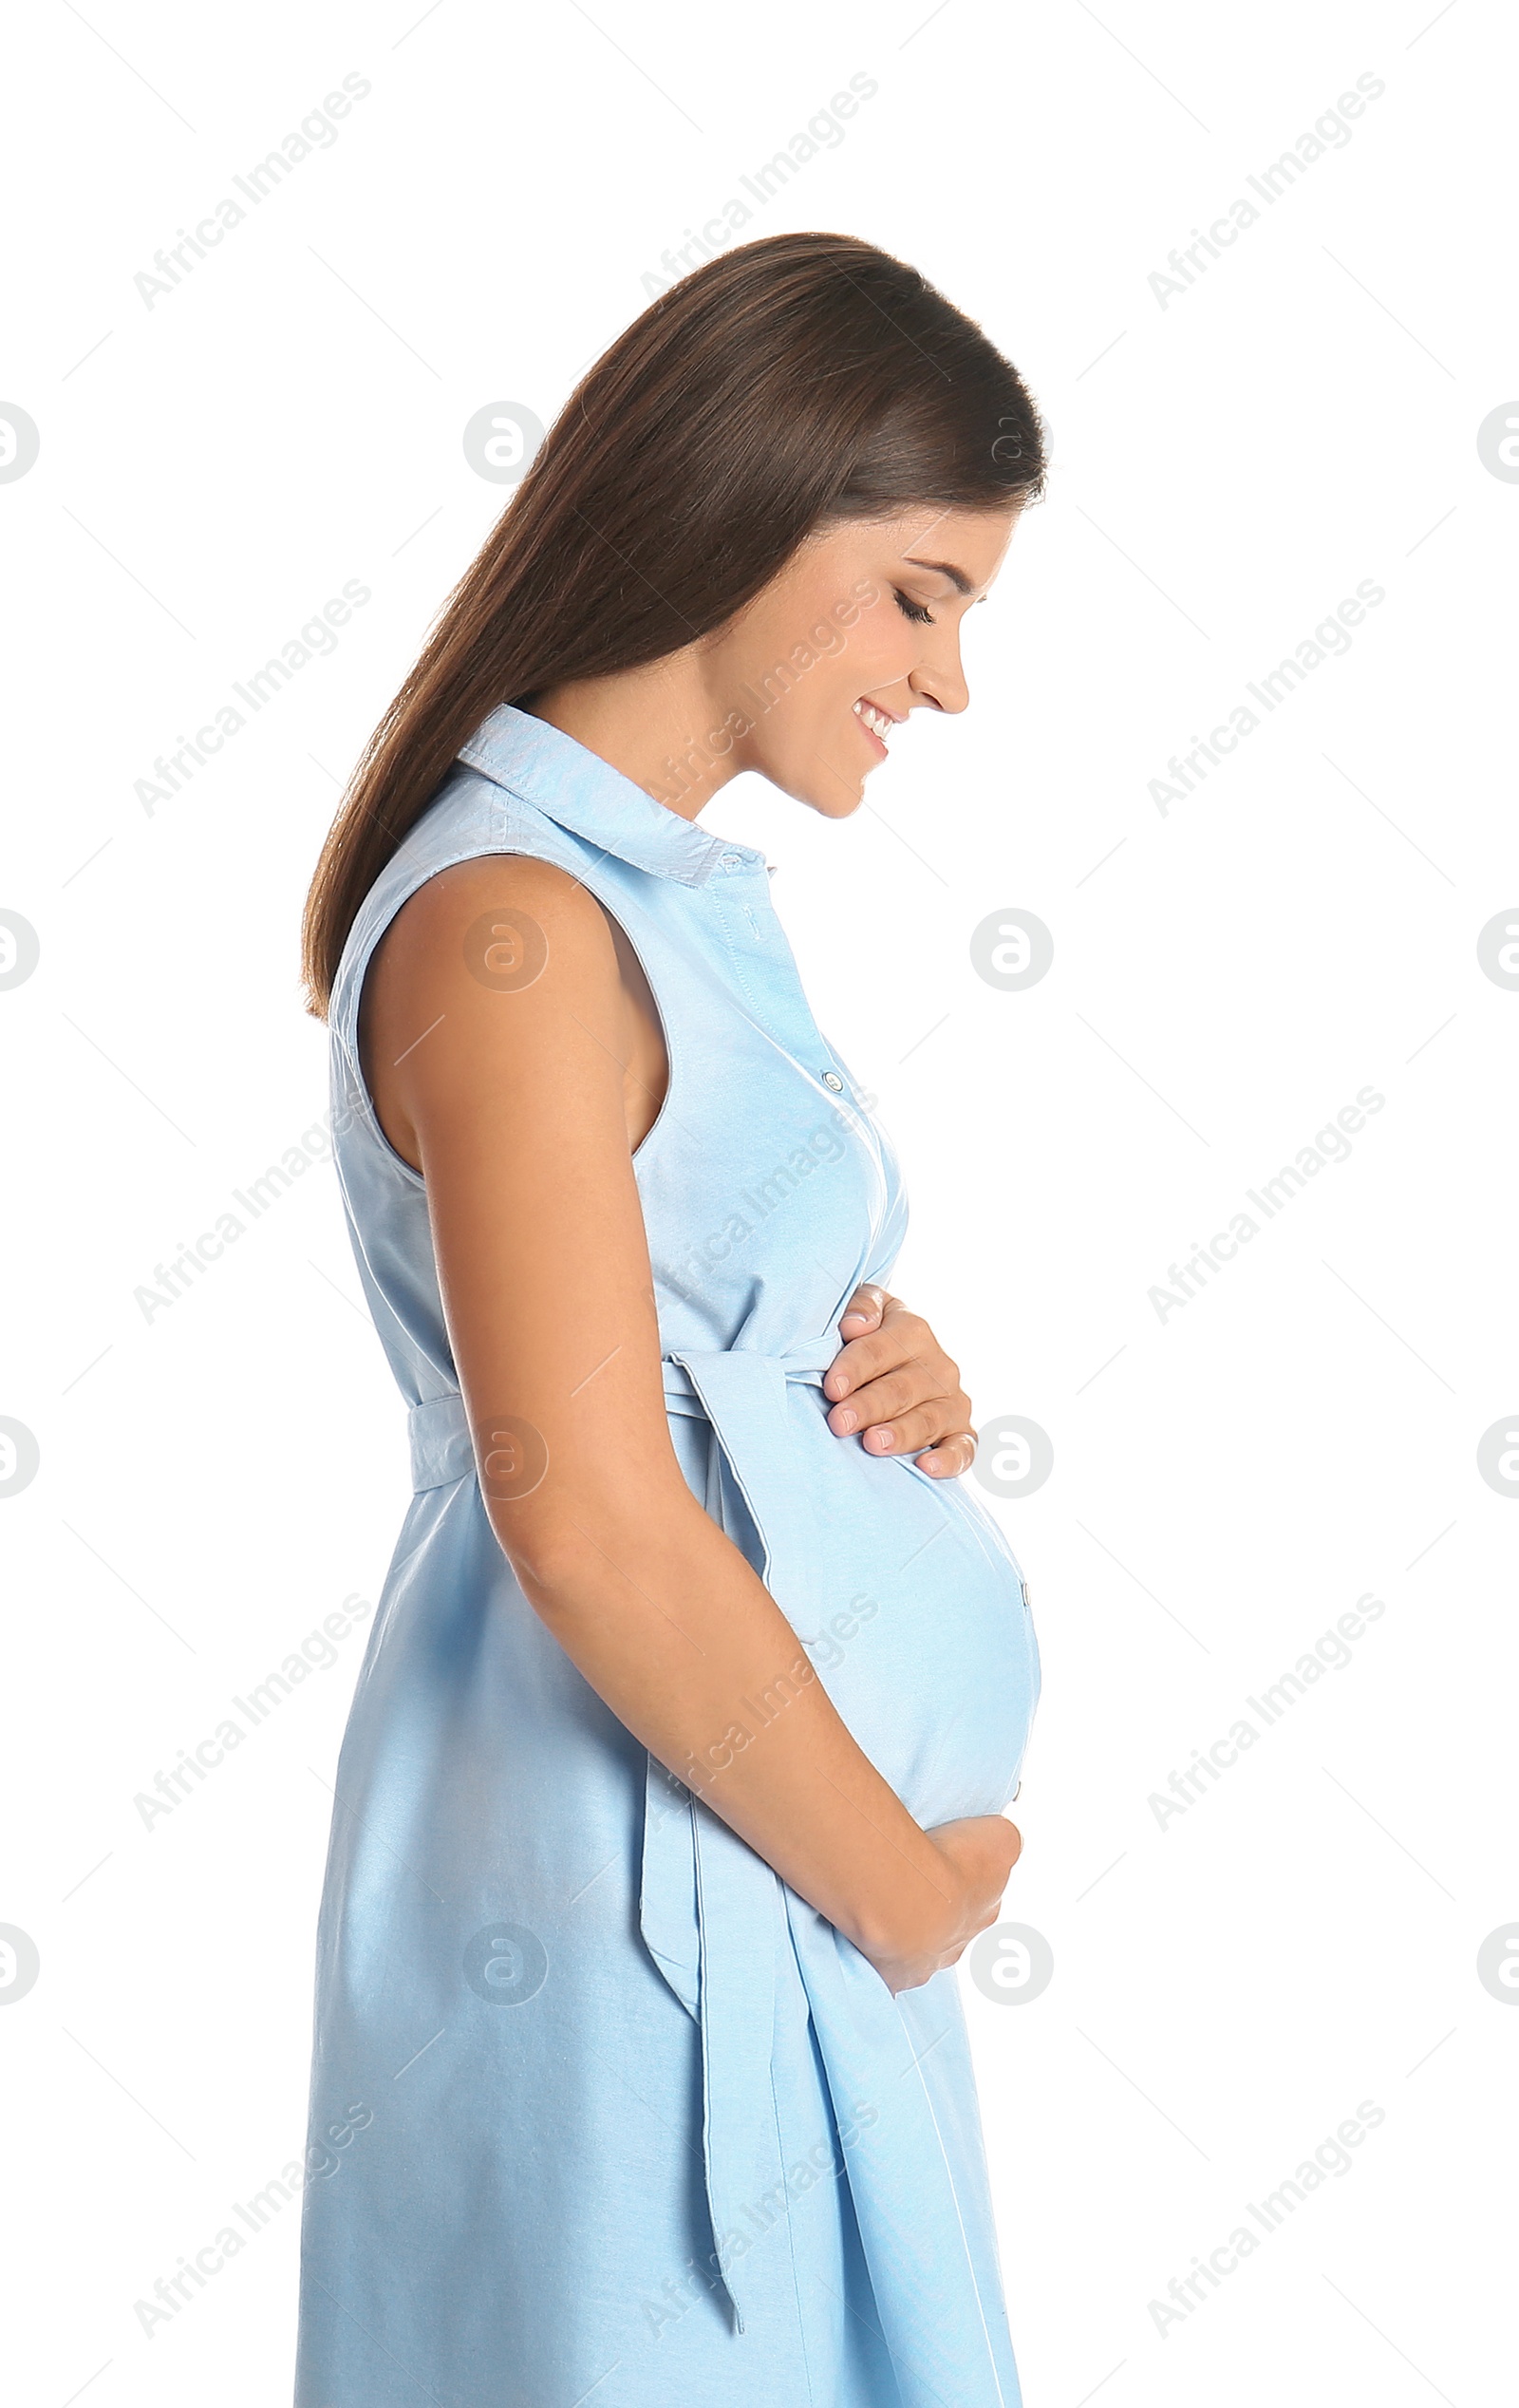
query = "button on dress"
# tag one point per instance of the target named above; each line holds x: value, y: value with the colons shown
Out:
x: 624, y: 2119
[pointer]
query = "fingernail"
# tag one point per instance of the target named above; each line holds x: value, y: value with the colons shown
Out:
x: 848, y: 1419
x: 883, y: 1439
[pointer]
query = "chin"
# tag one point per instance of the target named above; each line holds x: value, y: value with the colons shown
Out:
x: 831, y: 793
x: 834, y: 805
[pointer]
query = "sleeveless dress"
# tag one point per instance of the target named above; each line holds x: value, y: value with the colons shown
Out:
x: 601, y: 2110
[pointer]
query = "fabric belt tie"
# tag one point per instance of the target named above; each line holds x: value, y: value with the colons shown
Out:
x: 714, y: 1918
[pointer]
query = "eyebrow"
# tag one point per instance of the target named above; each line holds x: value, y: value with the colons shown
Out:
x: 945, y: 569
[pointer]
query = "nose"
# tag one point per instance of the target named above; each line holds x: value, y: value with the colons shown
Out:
x: 941, y: 683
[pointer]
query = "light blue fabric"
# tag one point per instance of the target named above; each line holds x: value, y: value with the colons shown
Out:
x: 622, y: 2118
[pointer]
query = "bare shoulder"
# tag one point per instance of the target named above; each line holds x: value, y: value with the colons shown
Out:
x: 498, y: 924
x: 447, y: 925
x: 497, y: 963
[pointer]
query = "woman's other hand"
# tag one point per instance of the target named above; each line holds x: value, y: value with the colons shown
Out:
x: 894, y: 1386
x: 977, y: 1855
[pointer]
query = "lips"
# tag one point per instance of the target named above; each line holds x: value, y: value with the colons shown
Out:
x: 876, y: 723
x: 880, y: 723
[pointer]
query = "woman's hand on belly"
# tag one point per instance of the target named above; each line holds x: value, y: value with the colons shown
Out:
x: 894, y: 1386
x: 978, y: 1855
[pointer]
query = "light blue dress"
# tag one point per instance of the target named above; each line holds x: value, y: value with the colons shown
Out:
x: 601, y: 2111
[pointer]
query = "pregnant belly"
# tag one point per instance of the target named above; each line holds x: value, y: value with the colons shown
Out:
x: 916, y: 1623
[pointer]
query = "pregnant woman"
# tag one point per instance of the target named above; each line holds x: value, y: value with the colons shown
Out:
x: 675, y: 1776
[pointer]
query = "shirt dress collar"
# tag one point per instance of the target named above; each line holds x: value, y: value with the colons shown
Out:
x: 578, y: 790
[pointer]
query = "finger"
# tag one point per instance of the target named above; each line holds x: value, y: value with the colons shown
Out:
x: 863, y: 1312
x: 950, y: 1457
x: 883, y: 1399
x: 901, y: 1339
x: 909, y: 1435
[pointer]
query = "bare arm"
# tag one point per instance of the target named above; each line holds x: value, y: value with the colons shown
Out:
x: 513, y: 1103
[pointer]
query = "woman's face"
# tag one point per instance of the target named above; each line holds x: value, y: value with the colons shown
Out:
x: 861, y: 626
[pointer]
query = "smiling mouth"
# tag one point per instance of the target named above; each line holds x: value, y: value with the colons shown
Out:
x: 876, y: 723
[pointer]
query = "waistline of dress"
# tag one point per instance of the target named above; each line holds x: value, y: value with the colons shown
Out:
x: 442, y: 1448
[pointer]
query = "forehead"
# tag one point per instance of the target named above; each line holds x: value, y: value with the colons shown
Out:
x: 920, y: 537
x: 964, y: 545
x: 934, y: 524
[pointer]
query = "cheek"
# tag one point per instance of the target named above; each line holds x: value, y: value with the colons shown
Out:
x: 828, y: 692
x: 882, y: 644
x: 877, y: 652
x: 818, y: 693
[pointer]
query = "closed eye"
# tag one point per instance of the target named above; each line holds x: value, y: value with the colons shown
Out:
x: 911, y: 610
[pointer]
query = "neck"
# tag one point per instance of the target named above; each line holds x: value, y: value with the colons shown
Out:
x: 655, y: 724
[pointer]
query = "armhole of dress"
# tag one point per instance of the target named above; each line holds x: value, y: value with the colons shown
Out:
x: 375, y: 918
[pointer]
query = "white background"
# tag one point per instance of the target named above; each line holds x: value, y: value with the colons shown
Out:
x: 1229, y: 1985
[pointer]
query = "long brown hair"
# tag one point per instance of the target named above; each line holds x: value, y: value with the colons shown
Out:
x: 782, y: 386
